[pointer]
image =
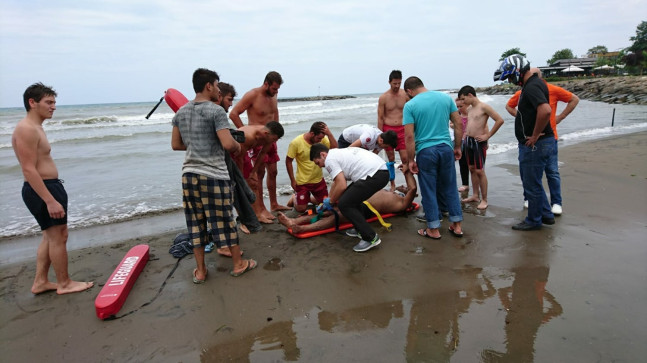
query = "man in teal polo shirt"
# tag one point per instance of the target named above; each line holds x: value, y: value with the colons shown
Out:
x: 430, y: 154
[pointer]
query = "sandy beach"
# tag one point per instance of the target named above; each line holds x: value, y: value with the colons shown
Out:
x: 572, y: 292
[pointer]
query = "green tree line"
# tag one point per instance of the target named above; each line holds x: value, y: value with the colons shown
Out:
x: 634, y: 57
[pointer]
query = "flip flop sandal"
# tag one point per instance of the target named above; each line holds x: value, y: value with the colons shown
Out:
x: 451, y: 230
x: 196, y: 280
x: 251, y: 264
x: 423, y: 232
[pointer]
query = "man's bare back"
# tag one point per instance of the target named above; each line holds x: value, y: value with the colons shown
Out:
x: 253, y: 137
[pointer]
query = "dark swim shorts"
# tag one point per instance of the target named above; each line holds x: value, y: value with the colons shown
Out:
x: 475, y: 152
x: 37, y: 206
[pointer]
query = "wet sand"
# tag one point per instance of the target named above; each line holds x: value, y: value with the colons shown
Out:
x: 569, y: 292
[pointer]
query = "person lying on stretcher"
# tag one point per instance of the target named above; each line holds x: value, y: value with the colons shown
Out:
x: 383, y: 201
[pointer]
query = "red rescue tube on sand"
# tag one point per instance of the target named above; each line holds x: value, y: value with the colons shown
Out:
x: 116, y: 290
x: 175, y: 99
x: 414, y: 207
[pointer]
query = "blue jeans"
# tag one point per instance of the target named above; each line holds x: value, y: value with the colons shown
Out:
x: 437, y: 174
x: 532, y: 163
x: 552, y: 176
x: 553, y: 179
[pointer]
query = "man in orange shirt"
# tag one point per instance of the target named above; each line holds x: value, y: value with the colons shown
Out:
x: 555, y: 94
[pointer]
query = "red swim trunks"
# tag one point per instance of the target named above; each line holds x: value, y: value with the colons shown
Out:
x: 318, y: 190
x: 271, y: 157
x: 400, y: 131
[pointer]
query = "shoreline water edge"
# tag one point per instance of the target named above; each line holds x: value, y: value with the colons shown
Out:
x: 574, y: 289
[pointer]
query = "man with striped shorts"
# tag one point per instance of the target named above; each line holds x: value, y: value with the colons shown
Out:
x: 201, y: 128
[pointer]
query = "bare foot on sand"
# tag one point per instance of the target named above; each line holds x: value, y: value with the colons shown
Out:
x: 224, y: 251
x: 284, y: 220
x: 73, y: 286
x: 289, y: 223
x: 473, y: 198
x: 243, y: 228
x: 482, y: 205
x: 267, y: 215
x: 463, y: 188
x: 264, y: 216
x: 265, y: 220
x: 39, y: 288
x: 278, y: 207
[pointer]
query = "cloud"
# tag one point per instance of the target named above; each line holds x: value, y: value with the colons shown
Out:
x: 123, y: 51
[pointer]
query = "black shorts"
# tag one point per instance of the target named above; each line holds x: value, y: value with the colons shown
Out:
x: 342, y: 143
x: 475, y: 152
x: 37, y: 206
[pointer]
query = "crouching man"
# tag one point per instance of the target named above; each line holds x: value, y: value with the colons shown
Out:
x: 368, y: 174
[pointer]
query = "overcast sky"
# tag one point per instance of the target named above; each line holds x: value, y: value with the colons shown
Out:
x: 130, y: 51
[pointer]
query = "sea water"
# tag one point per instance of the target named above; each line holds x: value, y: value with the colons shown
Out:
x: 117, y: 165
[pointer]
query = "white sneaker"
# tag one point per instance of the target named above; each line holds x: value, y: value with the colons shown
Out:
x: 557, y: 209
x: 525, y: 204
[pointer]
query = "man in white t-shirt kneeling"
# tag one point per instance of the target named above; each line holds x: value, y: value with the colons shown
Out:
x: 368, y: 137
x: 368, y: 174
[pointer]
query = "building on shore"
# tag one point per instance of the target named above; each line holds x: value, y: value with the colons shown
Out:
x: 556, y: 68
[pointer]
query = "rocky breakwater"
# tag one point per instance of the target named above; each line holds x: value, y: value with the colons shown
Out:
x: 623, y: 90
x: 315, y: 98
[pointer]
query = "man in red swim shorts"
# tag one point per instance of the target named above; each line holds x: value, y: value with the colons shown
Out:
x: 256, y: 152
x: 389, y: 116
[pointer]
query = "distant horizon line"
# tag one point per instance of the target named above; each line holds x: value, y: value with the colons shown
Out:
x: 287, y: 98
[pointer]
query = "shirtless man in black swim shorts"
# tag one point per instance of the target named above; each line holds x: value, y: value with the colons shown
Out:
x: 475, y: 144
x: 43, y: 192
